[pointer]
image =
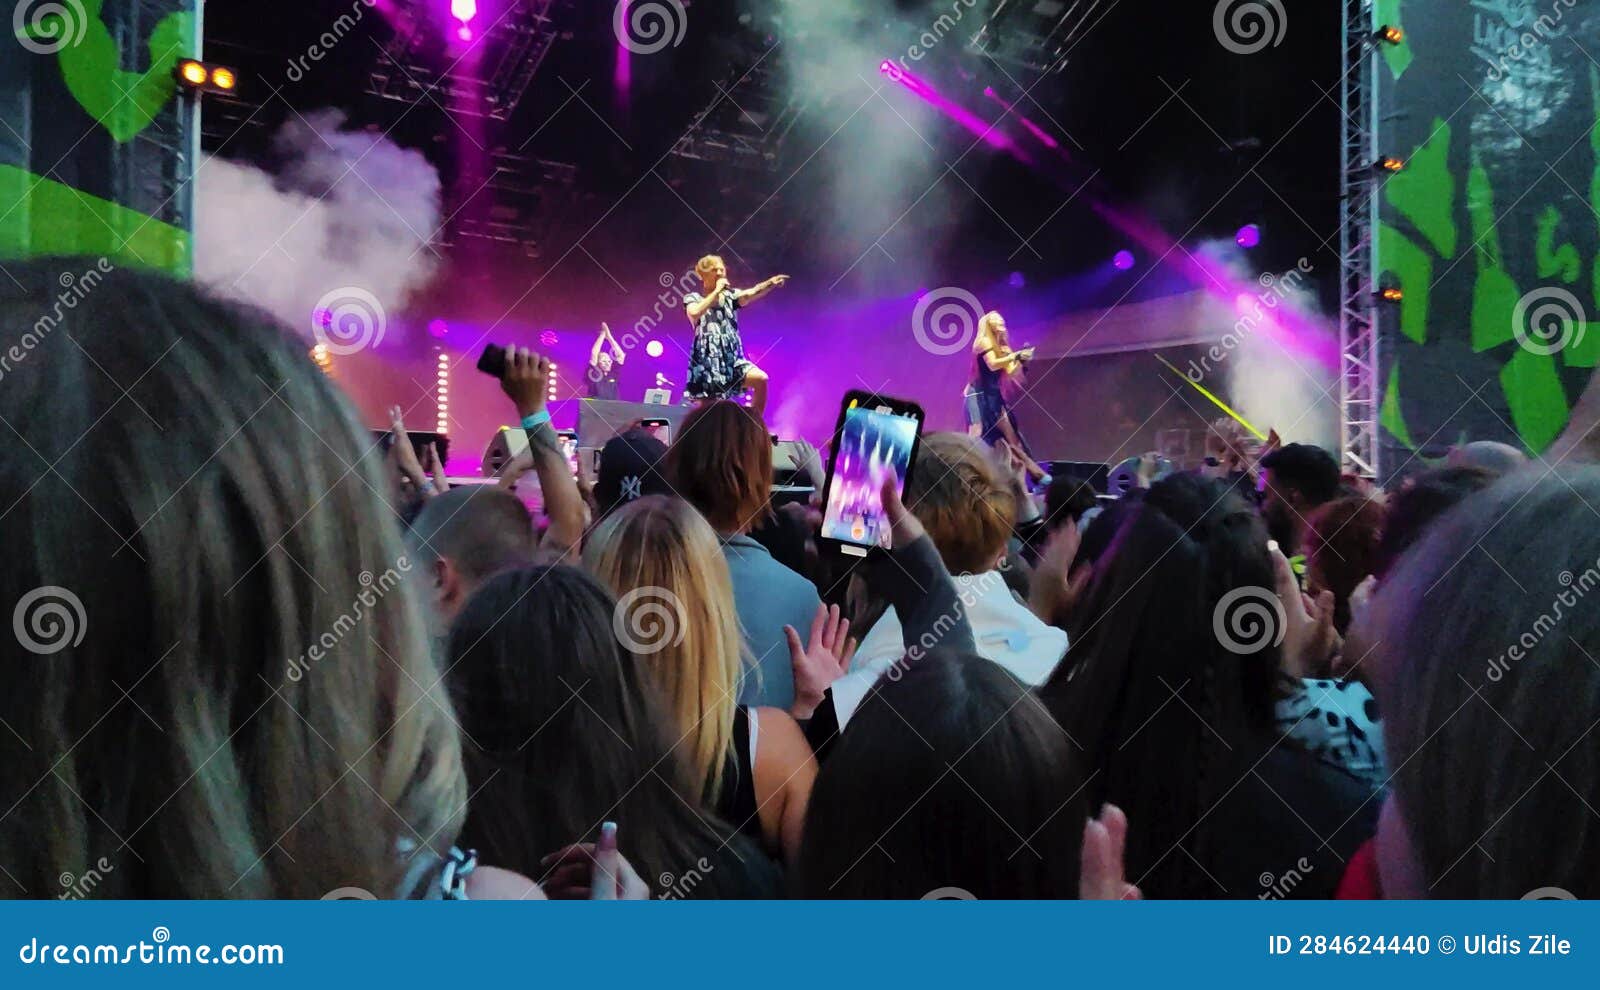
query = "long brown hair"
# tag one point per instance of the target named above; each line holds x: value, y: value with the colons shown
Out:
x: 663, y: 562
x: 225, y: 689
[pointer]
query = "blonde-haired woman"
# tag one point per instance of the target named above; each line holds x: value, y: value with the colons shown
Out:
x: 717, y: 366
x: 675, y: 608
x: 993, y: 364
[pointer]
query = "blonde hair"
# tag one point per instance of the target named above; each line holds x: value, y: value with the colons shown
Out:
x: 705, y: 266
x: 1000, y: 340
x: 257, y: 646
x: 696, y: 652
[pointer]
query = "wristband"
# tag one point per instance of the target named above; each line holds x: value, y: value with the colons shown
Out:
x: 536, y: 419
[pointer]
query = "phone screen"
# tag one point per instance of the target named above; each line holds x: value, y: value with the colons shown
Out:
x: 661, y: 429
x: 875, y: 441
x: 569, y: 448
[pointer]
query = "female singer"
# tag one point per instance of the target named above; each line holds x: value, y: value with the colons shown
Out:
x: 717, y: 365
x: 994, y: 364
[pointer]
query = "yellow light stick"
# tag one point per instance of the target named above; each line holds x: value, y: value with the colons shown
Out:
x: 1220, y: 404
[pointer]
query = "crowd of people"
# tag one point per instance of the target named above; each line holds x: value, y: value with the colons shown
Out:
x: 258, y: 656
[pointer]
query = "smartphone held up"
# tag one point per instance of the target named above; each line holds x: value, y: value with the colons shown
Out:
x: 875, y: 440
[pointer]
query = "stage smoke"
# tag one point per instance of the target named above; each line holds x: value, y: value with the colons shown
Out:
x: 873, y: 181
x: 347, y: 212
x: 1275, y: 375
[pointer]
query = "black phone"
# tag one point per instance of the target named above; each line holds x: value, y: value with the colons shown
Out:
x: 569, y: 448
x: 661, y: 429
x: 493, y: 361
x: 876, y: 437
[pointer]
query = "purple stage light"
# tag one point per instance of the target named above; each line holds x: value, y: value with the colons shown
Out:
x: 1016, y: 281
x: 464, y: 11
x: 1248, y: 236
x: 438, y: 328
x: 549, y: 338
x: 654, y: 348
x: 1123, y: 260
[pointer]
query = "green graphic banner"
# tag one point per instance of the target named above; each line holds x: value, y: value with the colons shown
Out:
x: 97, y: 148
x: 1491, y: 230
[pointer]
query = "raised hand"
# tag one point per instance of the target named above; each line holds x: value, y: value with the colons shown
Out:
x: 904, y: 527
x: 821, y: 660
x: 1309, y: 639
x: 405, y: 456
x: 1101, y: 875
x: 593, y: 871
x: 527, y: 379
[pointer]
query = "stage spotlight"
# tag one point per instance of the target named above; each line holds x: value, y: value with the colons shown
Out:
x: 1390, y: 34
x: 654, y: 348
x: 1248, y: 236
x: 1390, y: 293
x: 438, y: 328
x: 1123, y: 260
x: 464, y: 11
x: 1016, y: 280
x: 204, y: 77
x: 1390, y: 164
x: 549, y: 338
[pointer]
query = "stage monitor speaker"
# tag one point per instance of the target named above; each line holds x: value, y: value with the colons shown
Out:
x: 601, y: 419
x: 1094, y: 472
x: 503, y: 446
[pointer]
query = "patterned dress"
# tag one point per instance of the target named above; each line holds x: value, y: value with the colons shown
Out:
x: 716, y: 362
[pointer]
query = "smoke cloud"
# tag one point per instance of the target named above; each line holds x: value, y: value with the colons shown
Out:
x: 347, y: 210
x: 1275, y: 378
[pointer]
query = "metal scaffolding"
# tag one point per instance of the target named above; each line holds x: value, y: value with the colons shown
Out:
x: 1360, y: 386
x: 1032, y: 34
x: 486, y: 77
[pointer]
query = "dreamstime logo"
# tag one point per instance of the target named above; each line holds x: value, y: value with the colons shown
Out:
x: 1247, y: 620
x: 50, y: 27
x: 350, y: 894
x: 946, y: 320
x: 1548, y: 320
x: 348, y: 319
x: 48, y: 620
x: 1245, y: 27
x: 649, y: 620
x: 647, y: 27
x: 950, y: 894
x: 1550, y: 894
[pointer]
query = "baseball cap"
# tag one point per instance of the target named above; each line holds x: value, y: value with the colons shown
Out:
x: 631, y: 467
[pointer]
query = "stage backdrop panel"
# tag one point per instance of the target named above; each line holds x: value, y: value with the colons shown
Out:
x: 1491, y: 228
x: 97, y: 148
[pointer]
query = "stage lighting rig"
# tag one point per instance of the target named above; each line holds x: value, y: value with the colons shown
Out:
x: 1035, y: 34
x: 1389, y: 35
x: 480, y: 65
x: 1389, y: 164
x: 204, y: 77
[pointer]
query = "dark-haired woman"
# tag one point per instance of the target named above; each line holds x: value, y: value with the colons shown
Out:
x: 953, y: 782
x: 564, y: 730
x: 1172, y: 698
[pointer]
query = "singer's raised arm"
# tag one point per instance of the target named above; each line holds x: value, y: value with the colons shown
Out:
x: 748, y: 296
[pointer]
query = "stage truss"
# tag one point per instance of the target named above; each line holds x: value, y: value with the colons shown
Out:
x: 422, y: 59
x: 1032, y: 34
x: 1360, y: 390
x: 746, y: 122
